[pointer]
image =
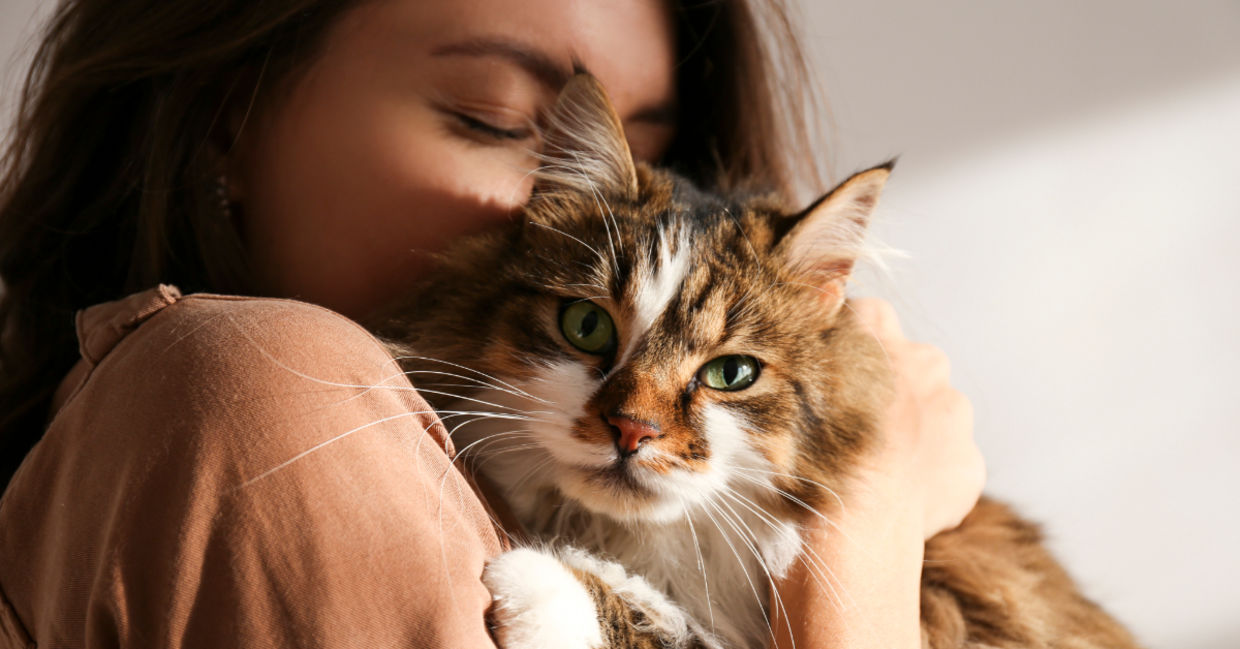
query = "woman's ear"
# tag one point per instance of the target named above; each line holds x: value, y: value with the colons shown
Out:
x: 822, y: 243
x: 584, y: 148
x: 231, y: 135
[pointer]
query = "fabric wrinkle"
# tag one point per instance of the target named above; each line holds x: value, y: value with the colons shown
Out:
x: 240, y: 471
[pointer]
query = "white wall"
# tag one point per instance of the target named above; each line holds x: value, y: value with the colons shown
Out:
x: 1069, y: 193
x: 19, y: 19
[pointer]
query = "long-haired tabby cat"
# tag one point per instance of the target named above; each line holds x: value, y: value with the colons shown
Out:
x: 663, y: 383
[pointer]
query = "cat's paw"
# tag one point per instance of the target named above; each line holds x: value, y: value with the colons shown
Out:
x: 652, y: 616
x: 538, y: 603
x: 639, y: 594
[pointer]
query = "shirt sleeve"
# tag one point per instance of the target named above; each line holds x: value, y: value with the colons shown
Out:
x: 252, y: 473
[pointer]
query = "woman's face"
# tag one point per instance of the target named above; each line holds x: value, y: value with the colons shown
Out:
x: 414, y: 127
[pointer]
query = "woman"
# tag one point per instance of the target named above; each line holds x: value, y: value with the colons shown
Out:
x: 200, y: 482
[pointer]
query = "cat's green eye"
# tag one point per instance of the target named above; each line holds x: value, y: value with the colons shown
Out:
x: 588, y: 327
x: 729, y: 373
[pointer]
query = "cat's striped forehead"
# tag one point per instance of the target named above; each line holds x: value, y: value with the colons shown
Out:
x: 681, y: 268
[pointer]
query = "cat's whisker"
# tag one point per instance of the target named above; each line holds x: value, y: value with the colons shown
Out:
x: 821, y: 572
x: 848, y: 305
x: 492, y: 437
x: 447, y: 473
x: 447, y: 415
x: 433, y: 388
x: 603, y: 296
x: 609, y: 220
x: 533, y: 470
x: 779, y: 605
x: 478, y: 415
x: 320, y: 445
x: 481, y: 456
x: 580, y: 285
x: 462, y: 424
x: 463, y: 397
x: 825, y: 577
x: 832, y: 524
x: 476, y: 447
x: 606, y: 223
x: 601, y: 257
x: 599, y: 197
x: 780, y: 474
x: 797, y: 501
x: 814, y: 287
x: 462, y: 453
x: 510, y: 412
x: 365, y: 388
x: 492, y: 455
x: 816, y: 568
x: 474, y: 382
x: 741, y: 562
x: 495, y: 380
x: 701, y: 563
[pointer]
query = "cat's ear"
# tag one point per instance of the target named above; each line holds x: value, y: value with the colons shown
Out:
x: 822, y: 243
x: 584, y: 148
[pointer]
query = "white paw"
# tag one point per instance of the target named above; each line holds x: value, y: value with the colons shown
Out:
x: 537, y: 603
x: 671, y: 621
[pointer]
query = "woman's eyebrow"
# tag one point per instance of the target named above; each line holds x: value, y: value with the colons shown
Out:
x: 535, y: 61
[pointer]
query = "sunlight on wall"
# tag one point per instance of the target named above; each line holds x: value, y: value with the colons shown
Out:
x: 1082, y: 276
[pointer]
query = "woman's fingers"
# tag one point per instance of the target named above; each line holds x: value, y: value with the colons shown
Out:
x: 928, y: 455
x: 878, y: 316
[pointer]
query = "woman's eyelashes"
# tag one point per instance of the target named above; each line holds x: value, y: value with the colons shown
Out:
x: 482, y: 129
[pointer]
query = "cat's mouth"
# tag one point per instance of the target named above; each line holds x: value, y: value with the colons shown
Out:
x: 619, y: 476
x: 620, y: 489
x: 619, y: 492
x: 624, y: 485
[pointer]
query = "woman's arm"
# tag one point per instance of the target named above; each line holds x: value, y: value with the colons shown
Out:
x: 924, y: 478
x: 244, y: 473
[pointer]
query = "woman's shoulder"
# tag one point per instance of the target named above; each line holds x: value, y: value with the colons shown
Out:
x: 230, y: 448
x: 243, y: 385
x: 220, y: 334
x: 201, y: 322
x: 236, y: 362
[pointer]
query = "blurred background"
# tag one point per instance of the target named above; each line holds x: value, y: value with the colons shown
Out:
x: 1068, y: 196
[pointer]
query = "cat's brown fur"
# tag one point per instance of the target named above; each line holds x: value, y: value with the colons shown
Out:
x: 992, y: 583
x: 752, y: 278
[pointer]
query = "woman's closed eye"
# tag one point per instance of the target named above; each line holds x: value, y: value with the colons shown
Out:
x: 489, y: 127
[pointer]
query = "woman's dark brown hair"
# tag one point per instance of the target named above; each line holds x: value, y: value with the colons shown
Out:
x: 109, y: 182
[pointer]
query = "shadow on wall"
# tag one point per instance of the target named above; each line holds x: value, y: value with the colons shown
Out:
x: 1221, y: 639
x: 944, y: 78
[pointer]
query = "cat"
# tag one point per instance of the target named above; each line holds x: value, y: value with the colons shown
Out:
x: 663, y: 383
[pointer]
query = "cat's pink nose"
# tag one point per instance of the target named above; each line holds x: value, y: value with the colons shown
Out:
x: 631, y: 433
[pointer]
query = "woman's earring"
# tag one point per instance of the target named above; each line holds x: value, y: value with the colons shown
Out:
x: 221, y: 194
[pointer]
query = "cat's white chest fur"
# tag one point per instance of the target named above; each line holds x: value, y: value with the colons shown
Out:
x: 717, y: 565
x: 715, y: 559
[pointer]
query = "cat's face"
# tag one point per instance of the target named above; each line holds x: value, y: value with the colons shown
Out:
x: 649, y: 349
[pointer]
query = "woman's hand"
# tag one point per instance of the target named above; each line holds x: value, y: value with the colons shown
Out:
x: 927, y: 457
x: 862, y: 590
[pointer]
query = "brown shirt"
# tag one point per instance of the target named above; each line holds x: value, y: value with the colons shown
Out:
x: 239, y: 472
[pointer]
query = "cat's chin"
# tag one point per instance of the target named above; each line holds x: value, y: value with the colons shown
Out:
x: 616, y: 494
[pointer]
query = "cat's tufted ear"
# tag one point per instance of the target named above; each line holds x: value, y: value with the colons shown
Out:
x: 584, y: 148
x: 822, y: 243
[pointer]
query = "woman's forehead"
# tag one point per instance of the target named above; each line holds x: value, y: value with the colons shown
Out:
x: 628, y: 44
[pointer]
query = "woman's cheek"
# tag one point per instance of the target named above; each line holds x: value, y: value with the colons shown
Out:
x: 347, y: 210
x: 437, y: 195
